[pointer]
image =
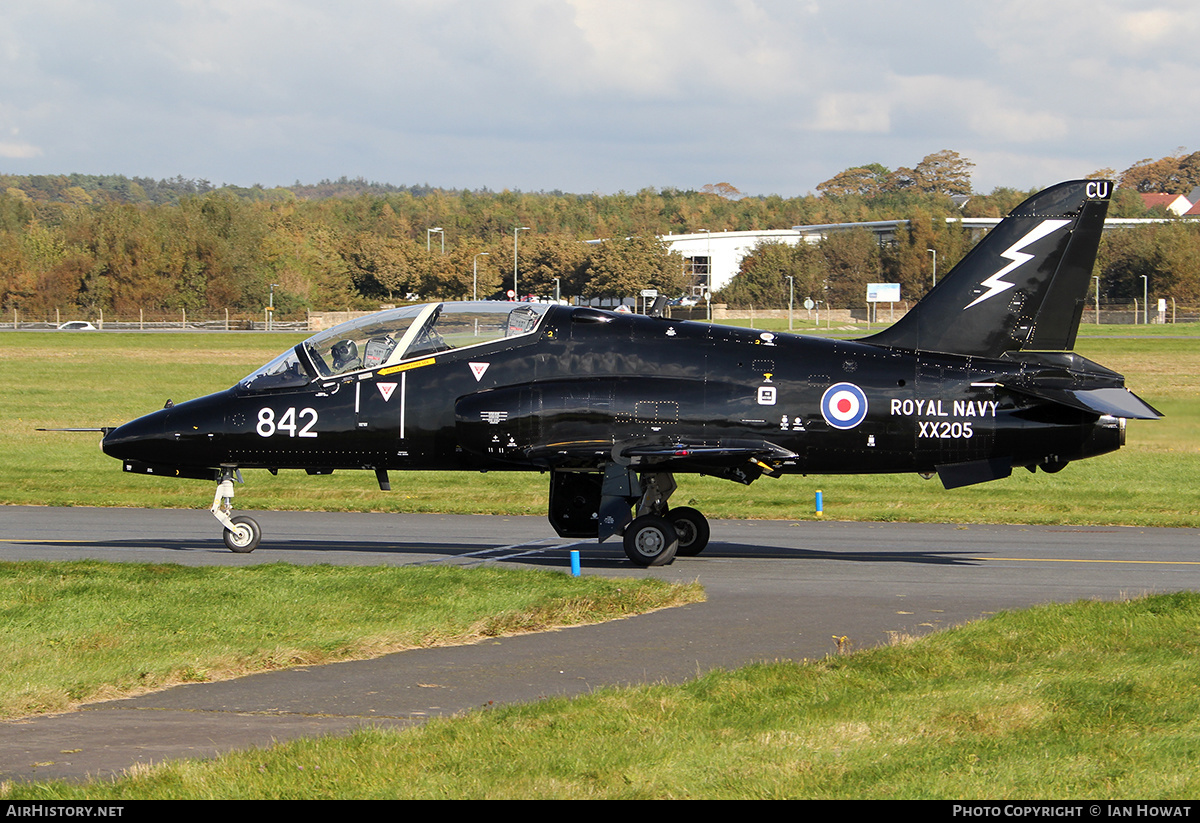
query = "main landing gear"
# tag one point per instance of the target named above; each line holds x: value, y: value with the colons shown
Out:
x: 658, y: 533
x: 651, y: 540
x: 241, y: 533
x: 622, y: 502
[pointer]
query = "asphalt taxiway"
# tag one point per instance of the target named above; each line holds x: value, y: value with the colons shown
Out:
x: 776, y: 590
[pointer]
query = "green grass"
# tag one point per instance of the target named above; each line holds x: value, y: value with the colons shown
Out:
x: 1088, y: 700
x: 106, y: 379
x: 78, y: 631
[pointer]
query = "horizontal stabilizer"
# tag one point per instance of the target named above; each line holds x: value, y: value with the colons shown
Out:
x: 1118, y: 402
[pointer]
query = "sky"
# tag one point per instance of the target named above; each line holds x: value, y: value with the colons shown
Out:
x: 772, y: 96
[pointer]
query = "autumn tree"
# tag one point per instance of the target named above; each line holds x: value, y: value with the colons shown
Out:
x: 304, y: 254
x: 943, y: 172
x: 1165, y: 253
x: 726, y: 190
x: 851, y: 262
x: 762, y: 277
x: 543, y: 258
x: 909, y: 259
x: 623, y: 267
x: 386, y: 266
x: 456, y: 272
x: 865, y: 181
x: 1176, y: 174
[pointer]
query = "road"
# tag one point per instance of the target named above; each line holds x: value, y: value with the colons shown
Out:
x: 776, y: 590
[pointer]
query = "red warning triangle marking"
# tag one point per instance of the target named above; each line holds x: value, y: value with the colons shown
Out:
x: 478, y: 369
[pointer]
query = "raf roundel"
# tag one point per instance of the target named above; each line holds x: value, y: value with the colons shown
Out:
x: 844, y: 405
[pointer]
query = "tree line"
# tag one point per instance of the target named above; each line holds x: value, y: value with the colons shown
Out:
x: 836, y: 271
x: 78, y: 243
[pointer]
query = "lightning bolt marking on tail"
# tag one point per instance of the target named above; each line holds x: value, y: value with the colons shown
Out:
x: 996, y: 283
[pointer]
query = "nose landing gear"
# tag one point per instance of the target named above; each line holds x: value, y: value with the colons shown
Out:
x: 241, y: 533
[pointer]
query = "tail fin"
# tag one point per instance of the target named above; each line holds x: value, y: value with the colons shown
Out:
x: 1021, y: 287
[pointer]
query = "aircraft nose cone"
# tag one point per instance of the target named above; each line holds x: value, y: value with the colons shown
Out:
x: 136, y: 440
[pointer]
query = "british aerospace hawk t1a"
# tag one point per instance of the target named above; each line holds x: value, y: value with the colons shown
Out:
x: 976, y: 380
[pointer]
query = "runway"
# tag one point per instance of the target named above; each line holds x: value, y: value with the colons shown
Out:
x: 776, y: 590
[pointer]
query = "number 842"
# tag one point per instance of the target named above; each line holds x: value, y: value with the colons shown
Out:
x: 296, y: 424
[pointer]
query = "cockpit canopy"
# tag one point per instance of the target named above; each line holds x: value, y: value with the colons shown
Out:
x: 395, y: 336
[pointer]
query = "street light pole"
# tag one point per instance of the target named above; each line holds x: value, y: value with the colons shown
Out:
x: 516, y: 294
x: 791, y: 296
x: 439, y: 231
x: 475, y: 275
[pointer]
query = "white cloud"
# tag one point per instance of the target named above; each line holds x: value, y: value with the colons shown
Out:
x: 772, y: 95
x: 19, y: 151
x: 852, y: 112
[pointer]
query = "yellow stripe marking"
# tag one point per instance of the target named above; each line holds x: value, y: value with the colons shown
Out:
x: 1068, y: 560
x: 405, y: 367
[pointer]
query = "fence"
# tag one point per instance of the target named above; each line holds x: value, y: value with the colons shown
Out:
x: 157, y: 321
x: 880, y: 314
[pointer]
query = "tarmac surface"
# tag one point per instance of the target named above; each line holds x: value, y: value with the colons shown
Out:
x: 776, y: 590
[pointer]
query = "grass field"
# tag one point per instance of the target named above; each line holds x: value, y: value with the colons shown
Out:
x: 79, y: 631
x: 54, y: 379
x: 1086, y: 700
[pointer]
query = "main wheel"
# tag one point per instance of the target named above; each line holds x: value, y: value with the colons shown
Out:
x: 692, y: 528
x: 651, y: 541
x: 244, y: 537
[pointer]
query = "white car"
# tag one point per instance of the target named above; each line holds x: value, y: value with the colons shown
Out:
x: 77, y: 325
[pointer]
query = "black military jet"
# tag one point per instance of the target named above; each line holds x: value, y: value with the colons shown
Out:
x: 977, y: 379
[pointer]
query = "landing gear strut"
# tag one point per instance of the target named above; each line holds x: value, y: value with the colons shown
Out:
x: 241, y: 533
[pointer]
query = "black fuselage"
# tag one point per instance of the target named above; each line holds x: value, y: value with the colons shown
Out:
x: 589, y: 382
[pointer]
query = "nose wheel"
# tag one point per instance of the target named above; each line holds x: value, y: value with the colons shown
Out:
x: 244, y: 536
x: 241, y: 533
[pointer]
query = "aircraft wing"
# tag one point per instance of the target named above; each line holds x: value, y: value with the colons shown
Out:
x: 584, y: 424
x: 719, y: 454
